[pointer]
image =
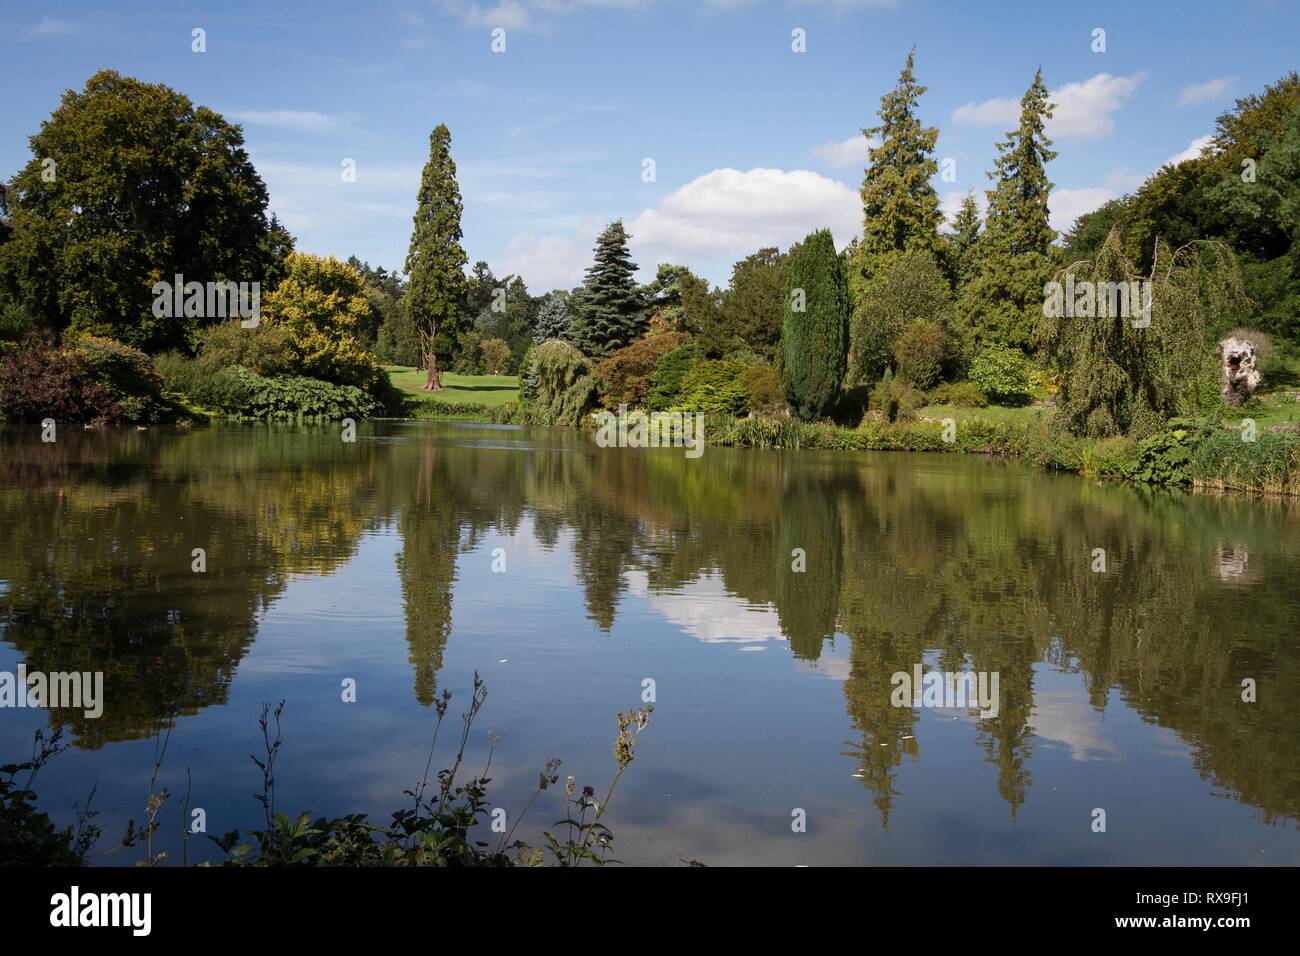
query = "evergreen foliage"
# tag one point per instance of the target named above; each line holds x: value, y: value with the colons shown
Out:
x: 435, y: 261
x: 814, y: 338
x: 609, y: 313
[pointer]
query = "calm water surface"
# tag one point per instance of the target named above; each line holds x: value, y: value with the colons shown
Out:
x: 374, y: 561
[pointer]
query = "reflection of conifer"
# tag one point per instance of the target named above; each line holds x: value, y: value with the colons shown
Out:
x: 427, y: 568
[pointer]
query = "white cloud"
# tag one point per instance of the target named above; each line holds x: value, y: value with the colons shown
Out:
x: 1083, y: 110
x: 302, y: 121
x: 1067, y: 205
x: 550, y: 262
x: 844, y: 4
x: 1193, y: 150
x: 1206, y: 92
x: 709, y: 223
x: 727, y: 214
x: 850, y: 152
x: 708, y: 612
x: 526, y: 14
x: 999, y: 111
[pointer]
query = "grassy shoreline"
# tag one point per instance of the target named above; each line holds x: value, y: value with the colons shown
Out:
x: 1207, y: 456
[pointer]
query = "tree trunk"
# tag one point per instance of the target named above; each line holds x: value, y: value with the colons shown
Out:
x: 432, y: 378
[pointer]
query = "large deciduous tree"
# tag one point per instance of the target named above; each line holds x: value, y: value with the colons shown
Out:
x: 435, y: 262
x: 130, y: 184
x: 753, y: 308
x: 814, y: 338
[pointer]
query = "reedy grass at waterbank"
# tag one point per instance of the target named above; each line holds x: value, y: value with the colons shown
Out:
x: 437, y: 829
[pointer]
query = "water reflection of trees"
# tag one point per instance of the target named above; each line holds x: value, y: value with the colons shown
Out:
x: 963, y: 565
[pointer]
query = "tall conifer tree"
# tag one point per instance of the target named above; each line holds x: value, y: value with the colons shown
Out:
x: 900, y: 209
x: 815, y: 335
x: 1005, y: 298
x: 1017, y: 215
x: 609, y: 312
x: 435, y: 263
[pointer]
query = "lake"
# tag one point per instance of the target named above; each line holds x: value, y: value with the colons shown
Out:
x: 575, y: 578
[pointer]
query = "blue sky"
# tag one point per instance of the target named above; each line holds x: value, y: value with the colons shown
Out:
x: 753, y: 144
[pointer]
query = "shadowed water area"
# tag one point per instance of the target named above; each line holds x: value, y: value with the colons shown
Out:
x: 374, y: 561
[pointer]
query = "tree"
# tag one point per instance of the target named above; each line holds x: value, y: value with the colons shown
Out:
x: 130, y: 184
x: 1017, y: 214
x: 435, y: 262
x: 909, y: 286
x: 963, y: 244
x: 1003, y: 300
x: 322, y: 305
x: 625, y: 376
x: 753, y: 308
x: 814, y: 337
x: 480, y: 287
x: 398, y: 342
x: 510, y: 314
x: 1123, y: 371
x: 552, y: 318
x: 383, y: 290
x: 610, y: 311
x: 900, y: 209
x: 496, y: 357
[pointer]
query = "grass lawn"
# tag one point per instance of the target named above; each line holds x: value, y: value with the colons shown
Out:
x: 485, y: 389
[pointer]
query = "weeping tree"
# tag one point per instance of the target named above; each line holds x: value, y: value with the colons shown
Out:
x: 563, y: 389
x: 1134, y: 350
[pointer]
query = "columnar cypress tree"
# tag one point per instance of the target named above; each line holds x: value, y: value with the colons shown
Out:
x: 435, y: 262
x: 609, y: 313
x: 815, y: 335
x: 900, y: 209
x: 552, y: 320
x: 1005, y: 296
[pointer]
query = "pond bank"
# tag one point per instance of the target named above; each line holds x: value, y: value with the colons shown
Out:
x: 1199, y: 454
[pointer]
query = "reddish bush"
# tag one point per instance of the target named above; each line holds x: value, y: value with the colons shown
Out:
x: 36, y: 384
x: 624, y: 377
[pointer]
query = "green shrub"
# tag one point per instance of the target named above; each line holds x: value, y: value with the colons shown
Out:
x: 243, y: 394
x: 892, y: 397
x: 960, y: 394
x: 1001, y: 373
x: 264, y: 349
x: 920, y: 352
x: 666, y: 380
x: 1165, y: 457
x: 904, y: 287
x: 763, y: 384
x: 715, y: 386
